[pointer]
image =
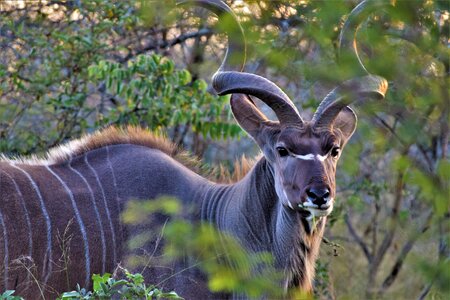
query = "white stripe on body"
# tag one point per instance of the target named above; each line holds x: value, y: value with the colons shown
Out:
x: 6, y: 257
x: 47, y: 265
x: 97, y: 215
x: 80, y: 224
x: 108, y: 215
x: 27, y: 219
x: 115, y: 189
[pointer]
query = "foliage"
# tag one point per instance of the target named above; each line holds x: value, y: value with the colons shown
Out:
x: 71, y: 66
x: 393, y: 181
x: 52, y: 89
x: 157, y: 95
x: 229, y: 267
x: 403, y: 149
x: 106, y: 287
x: 9, y: 295
x: 45, y: 88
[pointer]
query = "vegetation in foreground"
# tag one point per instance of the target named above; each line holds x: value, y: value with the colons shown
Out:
x: 392, y: 213
x: 107, y: 286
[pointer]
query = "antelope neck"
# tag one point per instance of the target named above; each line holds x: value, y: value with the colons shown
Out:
x: 251, y: 210
x: 246, y: 208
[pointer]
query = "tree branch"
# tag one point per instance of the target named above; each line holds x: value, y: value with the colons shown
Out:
x: 170, y: 43
x: 443, y: 253
x: 358, y: 239
x: 404, y: 252
x: 387, y: 241
x: 388, y: 238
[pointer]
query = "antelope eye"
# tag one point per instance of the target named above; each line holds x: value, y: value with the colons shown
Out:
x: 282, y: 151
x: 335, y: 151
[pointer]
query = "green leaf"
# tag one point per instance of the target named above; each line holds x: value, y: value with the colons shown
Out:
x: 105, y: 288
x: 184, y: 77
x: 100, y: 279
x: 8, y: 293
x: 70, y: 295
x: 136, y: 278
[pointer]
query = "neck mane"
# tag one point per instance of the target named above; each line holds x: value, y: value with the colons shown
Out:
x: 135, y: 136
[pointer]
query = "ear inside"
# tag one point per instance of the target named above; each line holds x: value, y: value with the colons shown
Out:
x: 346, y: 122
x: 249, y: 117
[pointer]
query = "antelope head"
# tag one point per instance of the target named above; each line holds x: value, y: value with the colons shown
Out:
x: 303, y: 154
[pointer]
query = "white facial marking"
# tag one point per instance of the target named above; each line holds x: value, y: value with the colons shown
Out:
x: 315, y: 211
x: 322, y: 157
x: 290, y: 205
x: 312, y: 221
x: 316, y: 214
x: 287, y: 200
x: 311, y: 156
x: 304, y: 157
x: 310, y: 204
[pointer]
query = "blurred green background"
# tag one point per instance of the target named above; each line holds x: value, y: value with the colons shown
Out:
x: 71, y: 67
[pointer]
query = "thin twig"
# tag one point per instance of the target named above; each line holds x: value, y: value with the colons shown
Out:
x: 358, y: 239
x: 407, y: 247
x: 164, y: 44
x: 425, y: 291
x: 393, y: 220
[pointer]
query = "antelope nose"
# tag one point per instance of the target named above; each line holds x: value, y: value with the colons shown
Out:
x: 318, y: 196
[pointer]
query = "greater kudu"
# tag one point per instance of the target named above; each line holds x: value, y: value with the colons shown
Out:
x: 60, y: 216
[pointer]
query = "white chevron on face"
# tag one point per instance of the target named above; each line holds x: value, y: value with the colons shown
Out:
x: 311, y: 156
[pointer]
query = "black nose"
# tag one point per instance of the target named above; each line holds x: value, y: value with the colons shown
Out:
x: 318, y: 196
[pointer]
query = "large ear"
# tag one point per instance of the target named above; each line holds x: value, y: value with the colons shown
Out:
x: 346, y: 122
x: 249, y: 117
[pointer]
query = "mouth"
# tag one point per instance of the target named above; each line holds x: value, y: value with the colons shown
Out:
x: 310, y: 210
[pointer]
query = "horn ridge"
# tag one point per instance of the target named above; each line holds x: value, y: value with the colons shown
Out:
x: 262, y: 88
x: 367, y: 87
x: 220, y: 8
x: 363, y: 87
x: 347, y: 38
x: 227, y: 80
